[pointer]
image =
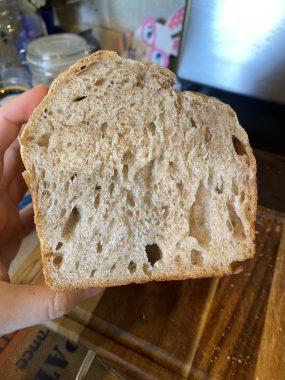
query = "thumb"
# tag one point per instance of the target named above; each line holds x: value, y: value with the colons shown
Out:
x: 28, y: 305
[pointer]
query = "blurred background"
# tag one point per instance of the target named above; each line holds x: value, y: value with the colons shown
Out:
x: 230, y: 49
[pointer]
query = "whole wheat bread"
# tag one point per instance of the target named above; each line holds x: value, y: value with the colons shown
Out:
x: 133, y: 181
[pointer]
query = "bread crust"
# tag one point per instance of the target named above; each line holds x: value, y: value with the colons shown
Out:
x: 29, y: 176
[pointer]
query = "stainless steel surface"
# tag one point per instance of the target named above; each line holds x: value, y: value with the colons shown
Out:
x: 236, y: 45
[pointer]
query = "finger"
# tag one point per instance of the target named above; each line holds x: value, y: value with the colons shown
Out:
x: 13, y: 164
x: 28, y: 305
x: 17, y: 189
x: 27, y: 224
x: 16, y: 112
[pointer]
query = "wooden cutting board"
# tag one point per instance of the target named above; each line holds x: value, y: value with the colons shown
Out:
x: 228, y: 328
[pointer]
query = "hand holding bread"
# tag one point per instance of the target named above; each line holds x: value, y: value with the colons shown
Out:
x: 22, y: 305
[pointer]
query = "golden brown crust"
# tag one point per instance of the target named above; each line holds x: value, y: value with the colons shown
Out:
x: 200, y: 273
x: 30, y: 180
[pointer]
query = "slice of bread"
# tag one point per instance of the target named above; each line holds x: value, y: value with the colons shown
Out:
x: 133, y: 181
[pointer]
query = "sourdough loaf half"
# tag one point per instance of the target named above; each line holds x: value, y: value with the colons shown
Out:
x: 133, y: 181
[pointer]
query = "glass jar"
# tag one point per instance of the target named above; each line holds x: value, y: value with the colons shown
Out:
x: 19, y: 24
x: 14, y: 81
x: 49, y: 56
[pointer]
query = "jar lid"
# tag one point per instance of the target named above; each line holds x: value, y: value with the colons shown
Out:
x: 57, y: 49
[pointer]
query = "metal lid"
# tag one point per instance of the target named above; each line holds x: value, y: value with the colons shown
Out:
x: 58, y: 49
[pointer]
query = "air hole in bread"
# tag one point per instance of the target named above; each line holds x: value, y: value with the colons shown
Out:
x: 71, y: 223
x: 115, y: 175
x: 193, y: 123
x: 125, y: 171
x: 219, y: 188
x: 97, y: 201
x: 42, y: 173
x: 79, y: 98
x: 199, y: 216
x: 99, y: 247
x: 165, y: 211
x: 98, y: 188
x: 238, y: 146
x: 62, y: 212
x: 73, y: 177
x: 99, y: 82
x: 151, y: 127
x: 173, y: 170
x: 147, y: 269
x: 127, y: 156
x: 113, y: 267
x: 92, y: 273
x: 90, y: 219
x: 208, y: 136
x: 153, y: 253
x: 46, y: 194
x: 111, y: 188
x: 68, y: 144
x: 129, y: 213
x: 59, y: 245
x: 57, y: 260
x: 180, y: 186
x: 234, y: 187
x: 236, y: 267
x: 196, y: 257
x: 238, y: 228
x: 242, y: 196
x: 77, y: 265
x: 103, y: 128
x: 130, y: 199
x: 132, y: 267
x: 44, y: 140
x: 139, y: 80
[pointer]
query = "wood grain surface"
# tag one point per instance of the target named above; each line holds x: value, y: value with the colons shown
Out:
x: 270, y: 180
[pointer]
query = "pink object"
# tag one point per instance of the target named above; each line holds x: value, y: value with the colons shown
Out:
x: 159, y: 38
